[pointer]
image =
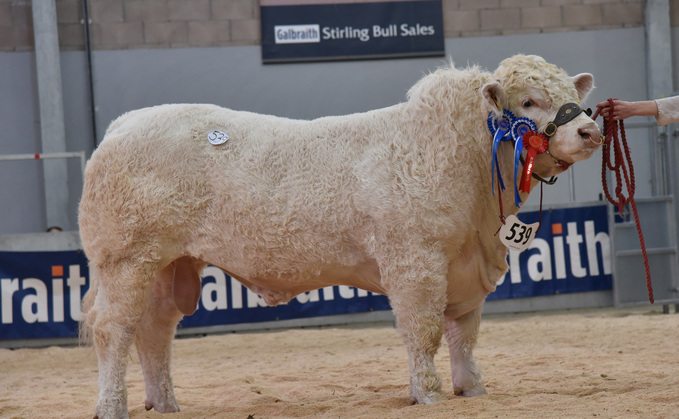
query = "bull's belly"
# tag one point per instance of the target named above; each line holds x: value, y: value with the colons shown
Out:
x: 278, y: 287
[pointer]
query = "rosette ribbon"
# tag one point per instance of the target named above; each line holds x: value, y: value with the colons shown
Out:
x: 535, y: 143
x: 501, y: 132
x: 520, y: 127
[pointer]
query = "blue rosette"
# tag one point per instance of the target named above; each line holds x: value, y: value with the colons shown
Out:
x: 519, y: 128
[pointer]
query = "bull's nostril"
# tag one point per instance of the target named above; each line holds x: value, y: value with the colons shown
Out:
x: 595, y: 139
x: 589, y: 135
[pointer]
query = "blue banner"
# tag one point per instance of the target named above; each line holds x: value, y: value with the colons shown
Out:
x: 41, y: 292
x: 570, y: 253
x: 294, y: 30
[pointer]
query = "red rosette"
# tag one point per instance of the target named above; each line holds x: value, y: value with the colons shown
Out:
x: 535, y: 143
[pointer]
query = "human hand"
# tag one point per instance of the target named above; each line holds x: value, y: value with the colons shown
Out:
x: 623, y: 109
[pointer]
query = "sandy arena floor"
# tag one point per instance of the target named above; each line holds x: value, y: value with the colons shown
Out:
x: 600, y: 363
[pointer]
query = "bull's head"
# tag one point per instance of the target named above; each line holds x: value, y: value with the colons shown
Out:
x: 530, y: 87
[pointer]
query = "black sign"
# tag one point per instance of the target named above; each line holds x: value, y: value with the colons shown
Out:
x: 322, y: 32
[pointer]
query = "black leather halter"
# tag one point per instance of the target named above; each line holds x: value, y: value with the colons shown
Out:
x: 566, y: 114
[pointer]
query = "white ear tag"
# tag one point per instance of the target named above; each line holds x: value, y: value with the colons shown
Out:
x: 217, y: 137
x: 516, y: 235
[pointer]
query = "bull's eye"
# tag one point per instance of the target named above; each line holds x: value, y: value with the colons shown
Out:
x: 527, y: 103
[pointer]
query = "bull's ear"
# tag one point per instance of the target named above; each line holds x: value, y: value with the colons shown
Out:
x: 494, y: 97
x: 584, y: 83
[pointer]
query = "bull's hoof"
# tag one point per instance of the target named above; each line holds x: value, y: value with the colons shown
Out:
x: 470, y: 392
x: 427, y: 398
x: 113, y: 411
x: 169, y: 406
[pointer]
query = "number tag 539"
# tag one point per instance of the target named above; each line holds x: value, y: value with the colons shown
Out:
x: 516, y: 235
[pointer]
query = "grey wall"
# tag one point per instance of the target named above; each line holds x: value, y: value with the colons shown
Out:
x: 22, y: 193
x: 234, y: 77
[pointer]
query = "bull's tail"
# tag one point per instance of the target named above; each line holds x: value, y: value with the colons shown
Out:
x: 88, y: 311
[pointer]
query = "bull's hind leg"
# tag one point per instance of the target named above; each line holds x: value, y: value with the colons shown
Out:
x: 117, y: 309
x: 461, y: 335
x: 175, y: 292
x: 417, y: 293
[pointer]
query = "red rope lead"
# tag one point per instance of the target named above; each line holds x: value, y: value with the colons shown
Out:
x: 619, y: 166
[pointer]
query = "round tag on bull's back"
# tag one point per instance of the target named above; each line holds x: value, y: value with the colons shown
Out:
x: 517, y: 235
x: 217, y: 137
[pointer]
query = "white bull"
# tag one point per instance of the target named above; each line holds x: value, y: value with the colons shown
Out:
x: 396, y: 201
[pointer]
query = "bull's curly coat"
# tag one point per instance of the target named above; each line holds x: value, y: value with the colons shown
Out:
x: 396, y: 200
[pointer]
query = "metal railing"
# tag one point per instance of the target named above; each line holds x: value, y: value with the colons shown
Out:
x: 61, y: 155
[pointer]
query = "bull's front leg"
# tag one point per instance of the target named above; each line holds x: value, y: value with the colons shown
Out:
x: 417, y: 293
x: 461, y: 334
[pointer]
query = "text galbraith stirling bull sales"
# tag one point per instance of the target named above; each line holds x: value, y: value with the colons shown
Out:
x: 301, y: 34
x: 299, y: 31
